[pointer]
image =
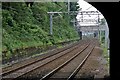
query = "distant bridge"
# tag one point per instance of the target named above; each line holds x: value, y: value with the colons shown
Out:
x: 92, y: 28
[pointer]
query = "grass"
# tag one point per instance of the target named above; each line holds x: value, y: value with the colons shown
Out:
x: 106, y: 55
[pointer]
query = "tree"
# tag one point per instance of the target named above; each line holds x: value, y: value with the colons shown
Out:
x: 102, y: 22
x: 73, y: 6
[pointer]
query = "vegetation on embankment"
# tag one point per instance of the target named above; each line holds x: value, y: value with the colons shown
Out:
x: 105, y: 49
x: 24, y: 26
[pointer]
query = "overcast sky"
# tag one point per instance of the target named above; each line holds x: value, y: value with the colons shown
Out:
x: 85, y: 6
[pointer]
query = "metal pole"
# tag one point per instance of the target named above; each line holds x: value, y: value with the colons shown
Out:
x: 100, y: 36
x: 51, y: 24
x: 74, y: 24
x: 98, y: 28
x: 106, y: 35
x: 82, y: 16
x: 68, y: 6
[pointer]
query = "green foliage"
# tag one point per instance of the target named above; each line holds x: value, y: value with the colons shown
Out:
x: 73, y: 6
x: 29, y: 26
x: 106, y: 55
x: 103, y: 37
x: 103, y: 21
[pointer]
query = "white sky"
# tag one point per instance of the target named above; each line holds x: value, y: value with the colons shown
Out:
x: 85, y: 6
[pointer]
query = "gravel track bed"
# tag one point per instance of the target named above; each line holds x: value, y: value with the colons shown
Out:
x: 70, y: 67
x: 30, y: 60
x: 50, y: 66
x: 35, y: 65
x: 95, y: 67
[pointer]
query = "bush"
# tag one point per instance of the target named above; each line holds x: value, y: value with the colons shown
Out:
x: 29, y: 26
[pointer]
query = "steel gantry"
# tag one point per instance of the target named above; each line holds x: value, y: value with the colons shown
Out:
x: 86, y: 21
x: 97, y: 27
x: 51, y: 19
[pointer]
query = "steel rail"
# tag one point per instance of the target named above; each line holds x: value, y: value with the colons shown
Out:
x: 10, y: 71
x: 59, y: 67
x: 71, y: 77
x: 46, y: 62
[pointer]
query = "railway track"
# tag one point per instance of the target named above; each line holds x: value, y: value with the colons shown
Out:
x: 63, y: 58
x: 54, y: 74
x: 71, y: 77
x: 5, y: 72
x: 65, y: 50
